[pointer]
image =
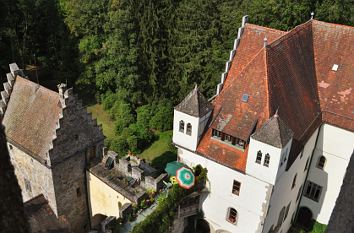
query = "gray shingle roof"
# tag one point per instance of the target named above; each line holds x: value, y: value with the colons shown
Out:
x: 195, y: 104
x: 274, y: 132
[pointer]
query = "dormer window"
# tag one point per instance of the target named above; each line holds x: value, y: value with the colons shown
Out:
x: 189, y: 129
x: 229, y: 139
x: 181, y: 126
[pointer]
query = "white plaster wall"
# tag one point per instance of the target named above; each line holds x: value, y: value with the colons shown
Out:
x: 251, y: 204
x: 337, y: 146
x: 187, y: 141
x: 202, y: 123
x: 267, y: 174
x: 283, y: 194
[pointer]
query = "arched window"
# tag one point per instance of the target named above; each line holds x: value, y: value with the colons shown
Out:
x: 321, y: 162
x: 259, y: 157
x: 294, y: 182
x: 266, y: 160
x: 232, y: 216
x: 181, y: 126
x: 189, y: 129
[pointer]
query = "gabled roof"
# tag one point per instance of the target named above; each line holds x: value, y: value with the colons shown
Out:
x: 274, y: 132
x: 31, y: 116
x: 195, y: 104
x: 292, y: 73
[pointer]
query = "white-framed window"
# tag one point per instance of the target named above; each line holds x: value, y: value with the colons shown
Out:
x: 232, y: 215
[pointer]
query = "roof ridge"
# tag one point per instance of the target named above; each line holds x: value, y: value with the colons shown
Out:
x: 267, y: 80
x: 332, y: 24
x: 40, y: 86
x: 268, y: 28
x: 290, y: 33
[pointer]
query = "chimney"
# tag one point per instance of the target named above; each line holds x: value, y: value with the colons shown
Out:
x: 265, y: 42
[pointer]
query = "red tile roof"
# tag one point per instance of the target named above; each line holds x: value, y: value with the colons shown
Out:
x: 334, y: 44
x: 293, y: 74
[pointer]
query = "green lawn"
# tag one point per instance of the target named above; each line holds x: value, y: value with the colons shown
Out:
x: 102, y: 118
x: 317, y: 228
x: 161, y: 151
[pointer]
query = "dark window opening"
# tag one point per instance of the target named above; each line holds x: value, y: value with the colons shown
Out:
x: 189, y: 129
x: 181, y: 126
x: 313, y: 191
x: 259, y: 157
x: 287, y: 211
x: 28, y: 185
x: 78, y: 192
x: 232, y: 216
x: 294, y: 182
x: 307, y: 163
x: 266, y: 160
x: 229, y: 139
x: 10, y: 146
x: 236, y: 188
x: 321, y: 162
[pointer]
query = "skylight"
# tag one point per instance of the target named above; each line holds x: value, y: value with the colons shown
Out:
x: 335, y: 67
x: 245, y: 98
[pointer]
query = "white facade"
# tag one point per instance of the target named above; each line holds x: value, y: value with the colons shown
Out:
x: 336, y: 145
x: 181, y: 137
x: 285, y: 194
x: 269, y: 197
x: 277, y: 163
x: 251, y: 203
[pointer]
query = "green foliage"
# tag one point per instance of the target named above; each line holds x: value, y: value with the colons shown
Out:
x: 161, y: 219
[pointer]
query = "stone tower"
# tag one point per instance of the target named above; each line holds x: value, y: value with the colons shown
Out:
x: 51, y: 140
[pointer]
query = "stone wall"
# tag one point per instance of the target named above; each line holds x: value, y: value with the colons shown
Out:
x: 37, y: 176
x: 12, y: 217
x: 70, y: 189
x: 78, y: 144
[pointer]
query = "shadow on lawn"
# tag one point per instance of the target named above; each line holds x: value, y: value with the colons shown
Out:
x: 161, y: 161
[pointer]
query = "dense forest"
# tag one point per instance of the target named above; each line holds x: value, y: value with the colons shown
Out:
x: 140, y: 58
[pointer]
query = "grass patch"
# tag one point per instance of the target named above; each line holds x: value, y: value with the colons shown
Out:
x: 161, y: 151
x: 103, y: 118
x: 316, y: 228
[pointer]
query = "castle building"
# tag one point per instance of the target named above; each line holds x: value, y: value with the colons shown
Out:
x: 51, y: 140
x: 278, y: 135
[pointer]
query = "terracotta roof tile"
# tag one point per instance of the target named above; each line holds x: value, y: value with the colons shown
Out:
x: 293, y: 74
x: 27, y: 122
x: 334, y: 44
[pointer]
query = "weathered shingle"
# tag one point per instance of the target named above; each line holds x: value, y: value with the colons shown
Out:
x: 31, y: 116
x: 195, y: 104
x: 274, y: 132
